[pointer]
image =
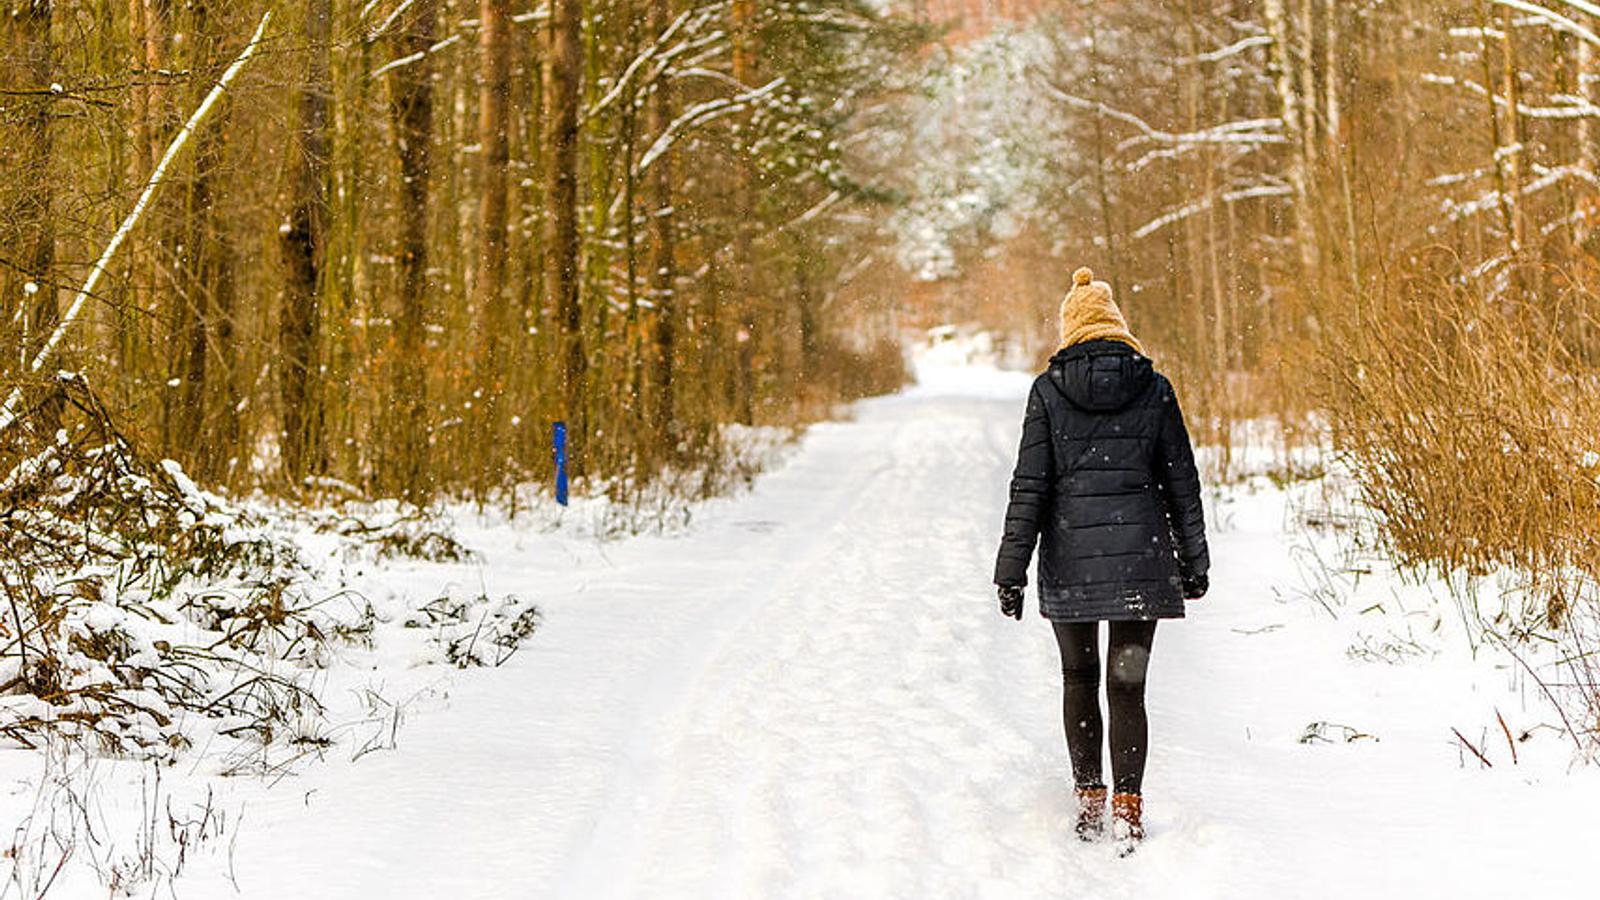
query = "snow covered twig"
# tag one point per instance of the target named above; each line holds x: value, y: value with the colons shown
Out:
x: 1245, y: 131
x: 650, y: 53
x: 1456, y: 211
x: 1571, y: 106
x: 388, y: 21
x: 393, y: 64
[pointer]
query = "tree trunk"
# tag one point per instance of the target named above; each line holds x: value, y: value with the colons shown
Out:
x: 663, y: 256
x: 1289, y: 103
x: 27, y: 231
x: 304, y: 249
x: 744, y: 40
x: 201, y: 264
x: 1333, y: 80
x: 411, y: 107
x: 810, y: 339
x: 565, y: 93
x: 223, y: 444
x: 1517, y: 134
x: 531, y: 347
x: 494, y: 96
x: 147, y: 24
x: 1588, y: 153
x: 1503, y: 184
x: 632, y: 388
x: 141, y: 361
x: 1306, y: 32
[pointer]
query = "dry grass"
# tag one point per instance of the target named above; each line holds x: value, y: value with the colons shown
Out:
x: 1475, y: 431
x: 69, y: 826
x: 1466, y: 410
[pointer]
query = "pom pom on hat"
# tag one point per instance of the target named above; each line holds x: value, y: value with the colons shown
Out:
x: 1083, y: 276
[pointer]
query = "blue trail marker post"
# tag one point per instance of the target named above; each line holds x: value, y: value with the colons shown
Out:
x: 558, y: 445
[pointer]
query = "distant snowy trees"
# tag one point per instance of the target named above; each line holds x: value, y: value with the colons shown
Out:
x: 1245, y: 169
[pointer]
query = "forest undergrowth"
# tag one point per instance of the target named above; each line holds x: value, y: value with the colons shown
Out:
x: 145, y: 615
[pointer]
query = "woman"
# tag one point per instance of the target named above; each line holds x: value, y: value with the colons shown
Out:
x: 1106, y: 485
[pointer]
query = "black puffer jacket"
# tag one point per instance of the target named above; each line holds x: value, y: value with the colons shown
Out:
x: 1106, y: 484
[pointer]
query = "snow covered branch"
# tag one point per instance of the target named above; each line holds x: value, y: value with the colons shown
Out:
x: 1246, y: 131
x: 1571, y: 106
x: 689, y: 22
x: 1234, y: 49
x: 393, y: 64
x: 699, y: 114
x: 1205, y: 203
x: 1590, y: 8
x: 388, y: 21
x: 536, y: 15
x: 1556, y: 20
x: 1548, y: 177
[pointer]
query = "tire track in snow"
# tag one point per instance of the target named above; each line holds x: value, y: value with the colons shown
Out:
x: 638, y: 798
x: 850, y: 730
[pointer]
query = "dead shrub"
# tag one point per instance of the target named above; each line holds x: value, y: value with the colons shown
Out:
x: 1464, y: 407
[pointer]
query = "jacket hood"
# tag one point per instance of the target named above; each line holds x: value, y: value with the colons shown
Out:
x: 1101, y: 376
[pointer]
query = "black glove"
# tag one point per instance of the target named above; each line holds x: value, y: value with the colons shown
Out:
x: 1011, y: 602
x: 1195, y: 586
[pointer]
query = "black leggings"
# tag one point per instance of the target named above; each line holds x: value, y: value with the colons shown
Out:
x: 1128, y: 658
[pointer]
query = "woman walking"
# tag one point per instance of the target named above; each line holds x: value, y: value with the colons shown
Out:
x: 1106, y: 485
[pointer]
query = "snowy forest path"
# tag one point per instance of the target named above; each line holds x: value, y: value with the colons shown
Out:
x: 812, y: 694
x: 823, y: 727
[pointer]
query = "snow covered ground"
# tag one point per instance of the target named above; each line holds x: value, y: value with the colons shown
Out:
x: 810, y: 693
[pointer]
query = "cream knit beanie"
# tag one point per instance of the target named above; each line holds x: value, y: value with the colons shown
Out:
x: 1090, y: 314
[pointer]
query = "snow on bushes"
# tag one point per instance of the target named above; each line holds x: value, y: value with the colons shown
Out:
x: 139, y: 608
x: 477, y: 631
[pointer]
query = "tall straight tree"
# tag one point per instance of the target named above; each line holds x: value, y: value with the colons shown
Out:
x: 663, y: 250
x: 494, y: 96
x: 744, y: 50
x: 304, y: 249
x: 152, y: 18
x: 565, y: 95
x: 1290, y: 105
x: 1588, y: 144
x: 27, y: 232
x: 150, y: 256
x: 204, y: 274
x: 411, y: 108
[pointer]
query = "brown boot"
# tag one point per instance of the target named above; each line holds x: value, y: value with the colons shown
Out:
x: 1127, y: 822
x: 1091, y: 813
